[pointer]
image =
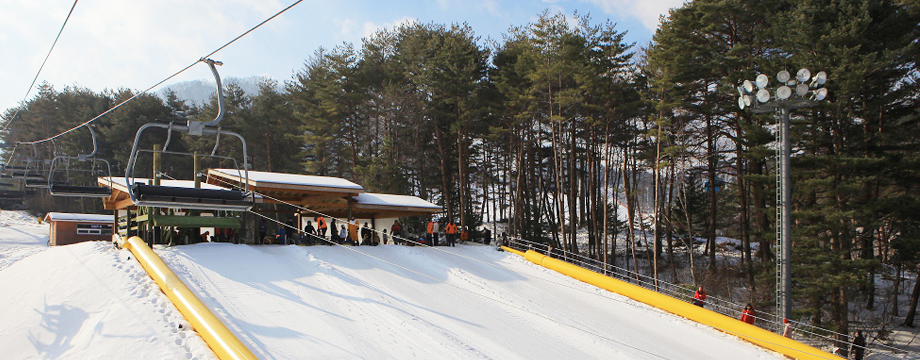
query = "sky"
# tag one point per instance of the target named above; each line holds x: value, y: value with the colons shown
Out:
x: 326, y: 302
x: 110, y: 44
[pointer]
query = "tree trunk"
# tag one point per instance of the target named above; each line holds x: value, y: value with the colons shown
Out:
x: 912, y: 308
x: 445, y: 175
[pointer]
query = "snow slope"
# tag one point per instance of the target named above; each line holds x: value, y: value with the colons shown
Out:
x: 288, y: 302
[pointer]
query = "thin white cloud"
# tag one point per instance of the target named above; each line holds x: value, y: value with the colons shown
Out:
x: 490, y: 6
x: 370, y: 28
x: 648, y: 12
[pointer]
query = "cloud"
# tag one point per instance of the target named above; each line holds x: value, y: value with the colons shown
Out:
x: 116, y: 43
x: 648, y: 12
x: 490, y: 6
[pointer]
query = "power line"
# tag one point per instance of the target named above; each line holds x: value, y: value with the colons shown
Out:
x: 164, y: 80
x: 41, y: 67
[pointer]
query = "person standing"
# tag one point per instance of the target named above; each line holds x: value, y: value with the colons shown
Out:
x: 451, y: 231
x: 787, y: 330
x: 464, y: 236
x: 747, y: 315
x: 365, y: 235
x: 334, y: 234
x: 321, y: 226
x: 858, y: 348
x: 343, y: 234
x: 263, y: 230
x: 309, y: 234
x: 395, y: 230
x: 429, y: 230
x: 353, y: 231
x: 699, y: 297
x: 384, y: 236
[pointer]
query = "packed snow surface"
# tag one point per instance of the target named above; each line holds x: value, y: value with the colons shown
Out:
x: 90, y: 300
x: 393, y: 200
x: 293, y: 179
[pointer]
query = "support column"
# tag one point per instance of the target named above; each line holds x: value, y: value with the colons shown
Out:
x: 786, y: 224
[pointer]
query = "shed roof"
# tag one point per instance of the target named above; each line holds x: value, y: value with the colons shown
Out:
x: 59, y: 216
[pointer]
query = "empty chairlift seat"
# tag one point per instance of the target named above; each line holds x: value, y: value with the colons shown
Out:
x: 191, y: 198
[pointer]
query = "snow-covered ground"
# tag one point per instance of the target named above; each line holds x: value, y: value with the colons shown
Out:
x: 288, y: 302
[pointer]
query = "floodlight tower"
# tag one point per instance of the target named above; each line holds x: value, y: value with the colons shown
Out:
x: 807, y: 91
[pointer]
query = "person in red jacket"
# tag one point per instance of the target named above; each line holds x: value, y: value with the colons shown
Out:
x: 699, y: 297
x: 747, y: 315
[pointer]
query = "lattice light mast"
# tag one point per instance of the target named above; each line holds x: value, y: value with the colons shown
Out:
x: 804, y: 90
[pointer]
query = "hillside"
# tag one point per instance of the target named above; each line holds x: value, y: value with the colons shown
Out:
x: 287, y: 302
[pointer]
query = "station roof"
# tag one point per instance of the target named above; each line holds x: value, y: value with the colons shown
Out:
x: 324, y: 194
x: 75, y: 217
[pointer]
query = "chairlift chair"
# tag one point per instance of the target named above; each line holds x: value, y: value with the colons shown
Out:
x: 191, y: 198
x: 96, y: 166
x: 35, y: 174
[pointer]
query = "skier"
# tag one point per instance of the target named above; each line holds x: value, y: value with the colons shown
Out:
x: 699, y: 297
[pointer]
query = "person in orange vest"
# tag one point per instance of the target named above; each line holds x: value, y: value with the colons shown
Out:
x: 699, y: 297
x: 429, y: 230
x: 747, y: 315
x: 464, y: 236
x: 451, y: 231
x: 321, y: 227
x: 353, y: 231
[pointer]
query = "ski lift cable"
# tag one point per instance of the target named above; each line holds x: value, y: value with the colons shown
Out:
x: 42, y: 66
x: 202, y: 59
x: 485, y: 296
x: 408, y: 240
x: 510, y: 305
x: 299, y: 231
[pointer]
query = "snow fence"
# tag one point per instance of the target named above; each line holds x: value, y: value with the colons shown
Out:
x: 218, y: 337
x: 754, y: 334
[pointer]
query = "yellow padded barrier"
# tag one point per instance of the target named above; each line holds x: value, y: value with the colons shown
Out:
x: 224, y: 344
x: 508, y: 249
x: 727, y: 324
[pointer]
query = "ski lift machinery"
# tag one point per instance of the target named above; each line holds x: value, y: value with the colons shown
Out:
x: 191, y: 198
x: 65, y: 188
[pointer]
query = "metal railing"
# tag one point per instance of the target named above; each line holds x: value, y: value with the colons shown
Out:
x: 805, y: 333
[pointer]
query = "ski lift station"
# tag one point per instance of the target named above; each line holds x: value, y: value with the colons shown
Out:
x: 294, y: 197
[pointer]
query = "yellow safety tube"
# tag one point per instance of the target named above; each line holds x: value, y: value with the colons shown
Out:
x: 224, y: 344
x: 727, y: 324
x: 513, y: 251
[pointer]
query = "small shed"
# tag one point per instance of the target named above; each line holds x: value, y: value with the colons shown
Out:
x: 70, y: 228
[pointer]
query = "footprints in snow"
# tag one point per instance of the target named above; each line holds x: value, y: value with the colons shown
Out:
x: 144, y: 291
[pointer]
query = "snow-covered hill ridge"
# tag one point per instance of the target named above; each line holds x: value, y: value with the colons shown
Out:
x: 400, y: 302
x: 288, y: 302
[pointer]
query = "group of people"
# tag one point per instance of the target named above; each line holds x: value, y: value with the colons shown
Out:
x: 319, y: 231
x: 857, y: 348
x: 432, y: 233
